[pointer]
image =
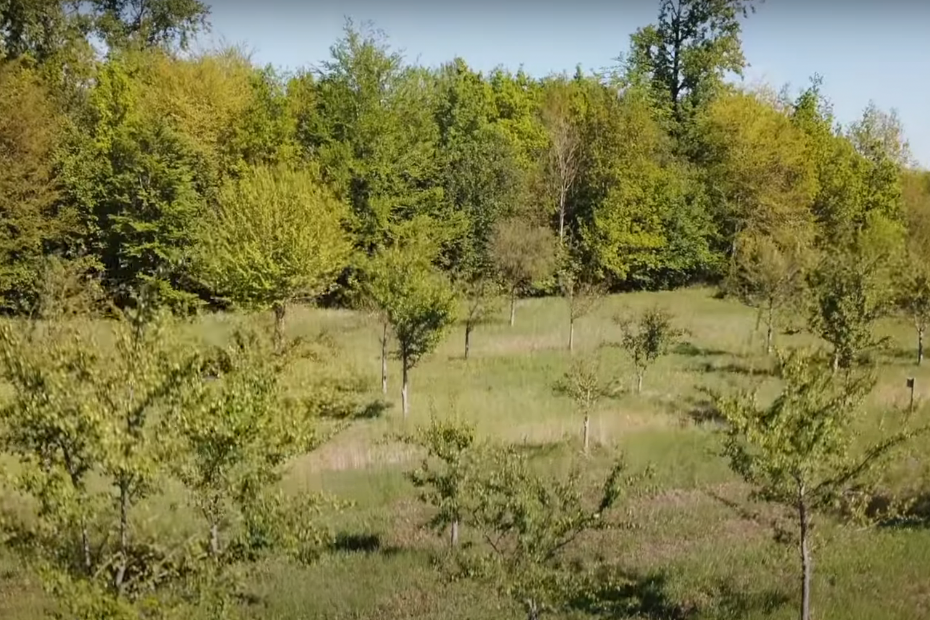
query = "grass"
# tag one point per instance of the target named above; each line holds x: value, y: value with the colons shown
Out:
x: 697, y: 553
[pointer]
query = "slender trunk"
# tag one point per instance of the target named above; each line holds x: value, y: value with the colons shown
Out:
x: 404, y: 393
x: 836, y: 362
x: 384, y: 352
x: 571, y: 334
x: 454, y: 536
x: 279, y: 312
x: 639, y: 381
x: 468, y: 328
x: 920, y: 346
x: 561, y: 214
x: 513, y: 306
x: 532, y: 610
x: 806, y: 564
x: 770, y: 321
x: 85, y: 546
x: 123, y: 534
x: 587, y: 431
x: 214, y: 539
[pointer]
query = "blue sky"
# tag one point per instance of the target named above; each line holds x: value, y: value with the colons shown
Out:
x: 864, y: 50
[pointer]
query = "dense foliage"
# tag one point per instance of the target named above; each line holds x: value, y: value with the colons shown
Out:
x: 660, y: 173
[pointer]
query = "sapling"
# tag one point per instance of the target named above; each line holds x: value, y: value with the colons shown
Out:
x: 802, y: 451
x: 583, y: 384
x: 646, y: 338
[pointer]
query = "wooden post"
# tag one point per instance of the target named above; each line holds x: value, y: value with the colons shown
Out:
x: 910, y: 384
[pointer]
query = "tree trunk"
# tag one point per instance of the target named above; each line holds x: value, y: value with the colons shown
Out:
x: 920, y: 346
x: 214, y: 539
x: 639, y: 381
x: 279, y: 312
x: 468, y: 329
x: 454, y: 536
x: 532, y: 610
x: 561, y: 214
x: 571, y: 334
x: 806, y: 564
x: 384, y: 352
x: 836, y: 362
x: 404, y: 393
x: 85, y: 546
x: 123, y: 534
x: 513, y: 306
x: 587, y: 431
x: 768, y: 337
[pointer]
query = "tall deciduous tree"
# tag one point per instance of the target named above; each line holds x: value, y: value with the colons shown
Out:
x: 564, y: 147
x: 274, y: 236
x: 523, y: 254
x: 759, y: 175
x: 29, y: 192
x: 686, y: 55
x: 376, y: 139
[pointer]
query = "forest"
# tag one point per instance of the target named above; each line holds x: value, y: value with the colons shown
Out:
x: 372, y: 339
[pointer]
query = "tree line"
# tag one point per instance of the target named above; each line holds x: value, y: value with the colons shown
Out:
x: 222, y: 182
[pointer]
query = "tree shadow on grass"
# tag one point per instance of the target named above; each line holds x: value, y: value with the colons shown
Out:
x: 691, y: 350
x: 361, y: 542
x: 614, y: 593
x: 733, y: 368
x: 736, y: 602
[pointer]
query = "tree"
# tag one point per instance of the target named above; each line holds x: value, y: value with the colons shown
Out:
x: 646, y: 338
x: 446, y: 473
x: 523, y: 254
x: 642, y: 215
x: 417, y: 301
x: 686, y: 56
x: 275, y: 235
x: 582, y: 294
x: 803, y: 451
x: 148, y: 23
x: 528, y: 522
x: 851, y: 290
x: 30, y: 223
x: 583, y: 384
x: 769, y: 276
x: 481, y: 303
x: 237, y: 433
x: 913, y: 277
x: 375, y: 139
x: 132, y: 179
x: 564, y: 146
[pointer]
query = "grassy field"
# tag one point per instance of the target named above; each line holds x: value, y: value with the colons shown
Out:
x: 701, y: 550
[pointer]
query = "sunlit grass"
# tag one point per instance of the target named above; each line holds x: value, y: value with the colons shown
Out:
x: 716, y: 563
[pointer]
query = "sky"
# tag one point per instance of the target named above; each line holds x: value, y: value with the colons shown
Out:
x: 865, y: 50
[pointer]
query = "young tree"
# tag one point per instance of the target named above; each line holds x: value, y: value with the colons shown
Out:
x: 582, y: 294
x: 802, y: 451
x: 529, y: 521
x: 850, y: 291
x: 913, y: 298
x: 482, y: 297
x: 523, y: 254
x: 646, y: 338
x: 276, y: 235
x: 452, y: 460
x: 583, y: 384
x: 237, y: 433
x: 417, y: 301
x: 769, y: 276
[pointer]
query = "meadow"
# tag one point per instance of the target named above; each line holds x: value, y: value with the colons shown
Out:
x: 700, y: 548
